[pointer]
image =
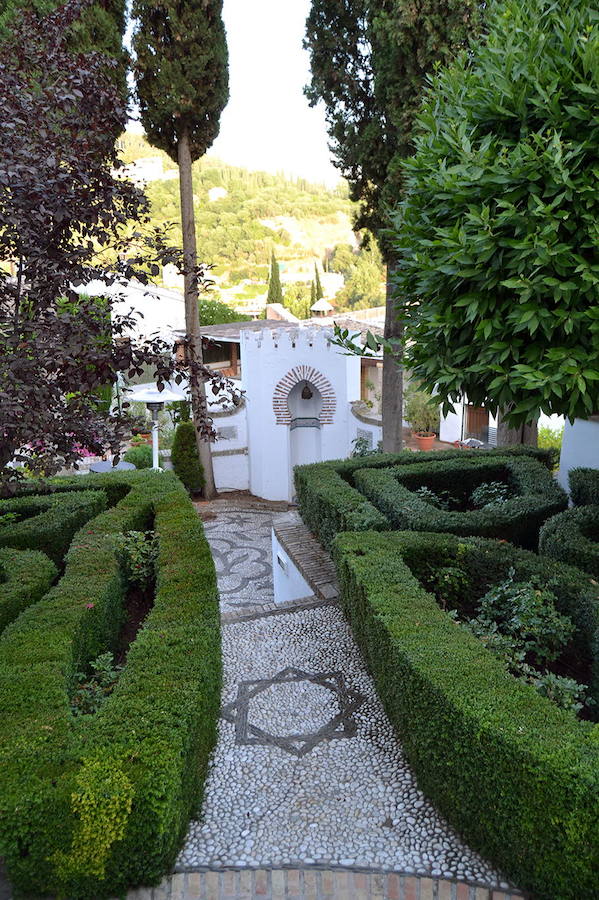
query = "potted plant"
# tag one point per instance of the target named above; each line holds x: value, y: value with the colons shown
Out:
x: 422, y: 412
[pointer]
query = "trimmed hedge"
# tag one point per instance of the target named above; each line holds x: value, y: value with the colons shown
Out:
x: 26, y: 576
x: 584, y: 486
x: 517, y: 776
x: 573, y: 538
x: 328, y: 501
x: 185, y: 457
x: 140, y: 456
x: 518, y: 519
x: 49, y: 522
x: 92, y: 805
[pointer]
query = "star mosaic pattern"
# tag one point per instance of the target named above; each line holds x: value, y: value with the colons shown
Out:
x: 333, y: 720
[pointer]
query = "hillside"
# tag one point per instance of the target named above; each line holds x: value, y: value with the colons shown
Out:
x: 242, y: 215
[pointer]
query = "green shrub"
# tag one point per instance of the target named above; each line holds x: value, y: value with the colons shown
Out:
x: 514, y: 774
x: 140, y: 457
x: 535, y: 496
x: 584, y: 486
x: 185, y: 459
x: 26, y: 575
x: 93, y: 804
x: 48, y: 523
x: 329, y: 502
x: 573, y: 537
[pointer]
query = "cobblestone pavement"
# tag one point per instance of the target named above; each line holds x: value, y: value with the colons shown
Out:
x: 307, y: 770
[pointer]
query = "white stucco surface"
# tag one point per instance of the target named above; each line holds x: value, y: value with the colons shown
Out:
x: 580, y: 447
x: 289, y: 583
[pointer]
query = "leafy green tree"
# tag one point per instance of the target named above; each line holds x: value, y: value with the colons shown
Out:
x: 364, y: 286
x: 275, y: 291
x: 297, y: 300
x: 370, y: 60
x: 181, y: 74
x: 214, y: 312
x: 498, y: 235
x: 343, y: 260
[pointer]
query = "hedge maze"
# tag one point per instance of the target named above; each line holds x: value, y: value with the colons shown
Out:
x: 421, y: 543
x: 91, y: 805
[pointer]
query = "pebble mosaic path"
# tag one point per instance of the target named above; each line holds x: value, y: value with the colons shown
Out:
x: 308, y: 771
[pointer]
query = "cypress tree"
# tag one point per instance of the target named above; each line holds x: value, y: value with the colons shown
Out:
x: 317, y: 285
x: 182, y: 87
x: 275, y: 292
x: 370, y: 60
x: 313, y: 297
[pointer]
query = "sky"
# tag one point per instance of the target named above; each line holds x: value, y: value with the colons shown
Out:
x: 267, y: 123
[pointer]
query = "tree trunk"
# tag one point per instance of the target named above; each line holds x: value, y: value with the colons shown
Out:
x: 199, y: 406
x: 392, y: 406
x: 507, y: 435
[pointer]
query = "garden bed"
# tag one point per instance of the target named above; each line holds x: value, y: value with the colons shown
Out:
x: 514, y: 773
x: 25, y: 576
x: 522, y: 494
x: 48, y: 523
x: 94, y: 804
x: 573, y: 537
x: 329, y: 502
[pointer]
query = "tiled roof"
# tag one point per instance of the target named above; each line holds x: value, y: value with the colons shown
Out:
x: 231, y: 331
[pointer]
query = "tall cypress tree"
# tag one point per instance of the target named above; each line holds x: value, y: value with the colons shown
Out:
x: 317, y: 284
x: 275, y: 292
x: 182, y: 87
x: 370, y: 60
x: 313, y: 295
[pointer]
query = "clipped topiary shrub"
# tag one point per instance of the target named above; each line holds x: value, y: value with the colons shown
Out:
x: 573, y: 537
x: 514, y: 773
x: 25, y: 576
x: 514, y: 496
x: 140, y: 457
x: 94, y: 804
x: 48, y: 523
x: 185, y: 459
x: 584, y: 486
x: 329, y: 502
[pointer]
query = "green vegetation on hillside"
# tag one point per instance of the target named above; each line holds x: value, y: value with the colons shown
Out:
x: 230, y: 230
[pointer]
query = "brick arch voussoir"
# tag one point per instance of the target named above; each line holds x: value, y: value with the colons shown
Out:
x: 296, y: 376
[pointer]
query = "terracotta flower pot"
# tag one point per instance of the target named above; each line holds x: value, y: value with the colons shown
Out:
x: 425, y: 440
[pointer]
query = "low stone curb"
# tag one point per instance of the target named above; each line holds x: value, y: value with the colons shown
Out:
x: 312, y: 884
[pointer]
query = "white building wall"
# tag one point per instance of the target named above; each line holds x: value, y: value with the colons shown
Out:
x: 451, y: 425
x: 267, y: 357
x: 580, y: 447
x: 230, y: 451
x: 289, y: 583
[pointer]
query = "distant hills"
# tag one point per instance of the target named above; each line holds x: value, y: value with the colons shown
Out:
x: 241, y: 215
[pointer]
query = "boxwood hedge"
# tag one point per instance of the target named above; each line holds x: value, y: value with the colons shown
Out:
x: 573, y: 537
x: 535, y: 496
x: 329, y: 502
x: 94, y: 804
x: 48, y: 523
x: 25, y: 576
x: 516, y: 775
x: 584, y: 486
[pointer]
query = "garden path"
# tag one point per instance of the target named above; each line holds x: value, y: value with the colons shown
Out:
x: 307, y: 771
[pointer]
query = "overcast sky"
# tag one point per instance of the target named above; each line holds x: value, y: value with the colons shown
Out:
x: 268, y: 123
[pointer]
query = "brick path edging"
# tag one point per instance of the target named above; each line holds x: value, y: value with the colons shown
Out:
x: 312, y: 884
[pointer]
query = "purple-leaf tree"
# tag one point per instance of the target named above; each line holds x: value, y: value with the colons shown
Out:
x: 66, y: 219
